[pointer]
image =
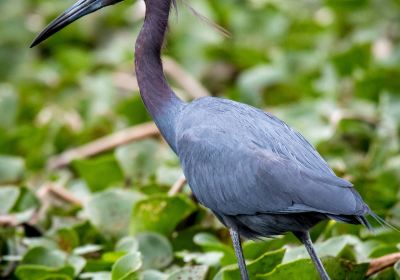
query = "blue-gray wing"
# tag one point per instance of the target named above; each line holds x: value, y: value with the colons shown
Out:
x: 235, y: 177
x: 248, y: 125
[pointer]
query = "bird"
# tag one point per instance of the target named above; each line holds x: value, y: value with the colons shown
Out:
x: 260, y: 177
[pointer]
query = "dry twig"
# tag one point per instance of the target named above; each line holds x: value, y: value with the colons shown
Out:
x: 8, y: 221
x: 184, y: 79
x: 178, y: 186
x: 104, y: 144
x: 381, y: 263
x: 64, y: 194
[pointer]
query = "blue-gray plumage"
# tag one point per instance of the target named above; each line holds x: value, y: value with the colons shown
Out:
x: 230, y: 151
x: 259, y: 176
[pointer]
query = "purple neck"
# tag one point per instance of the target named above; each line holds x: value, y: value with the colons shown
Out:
x: 159, y: 99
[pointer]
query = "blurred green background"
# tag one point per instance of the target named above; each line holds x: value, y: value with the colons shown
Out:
x: 330, y: 68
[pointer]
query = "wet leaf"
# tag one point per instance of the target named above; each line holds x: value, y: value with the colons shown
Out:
x: 39, y: 272
x: 340, y: 246
x: 110, y: 211
x: 305, y: 269
x: 8, y: 197
x: 156, y: 250
x: 190, y: 272
x: 262, y: 265
x: 11, y: 169
x: 44, y: 257
x: 126, y: 268
x: 210, y: 243
x: 107, y: 166
x: 160, y: 213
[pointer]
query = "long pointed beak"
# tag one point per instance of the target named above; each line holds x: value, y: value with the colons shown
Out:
x: 78, y: 10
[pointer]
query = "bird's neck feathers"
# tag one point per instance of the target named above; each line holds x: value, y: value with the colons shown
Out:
x: 159, y: 99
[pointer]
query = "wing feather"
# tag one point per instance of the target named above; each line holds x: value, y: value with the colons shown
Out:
x: 235, y: 180
x: 241, y: 160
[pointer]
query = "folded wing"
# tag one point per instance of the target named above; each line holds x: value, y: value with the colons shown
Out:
x: 234, y: 177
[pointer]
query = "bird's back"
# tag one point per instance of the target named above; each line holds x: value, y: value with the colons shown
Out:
x: 251, y: 127
x: 240, y: 160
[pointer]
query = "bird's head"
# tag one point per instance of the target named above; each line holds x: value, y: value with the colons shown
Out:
x: 76, y: 11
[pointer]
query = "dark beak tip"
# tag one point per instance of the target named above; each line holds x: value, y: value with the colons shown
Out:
x: 33, y: 44
x: 39, y: 39
x: 78, y: 10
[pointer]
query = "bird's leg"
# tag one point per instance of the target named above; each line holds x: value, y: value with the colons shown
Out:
x: 239, y: 253
x: 304, y: 237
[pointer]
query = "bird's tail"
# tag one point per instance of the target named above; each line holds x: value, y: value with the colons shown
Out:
x: 363, y: 220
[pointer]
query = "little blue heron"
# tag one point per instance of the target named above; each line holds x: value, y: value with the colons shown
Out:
x: 258, y: 176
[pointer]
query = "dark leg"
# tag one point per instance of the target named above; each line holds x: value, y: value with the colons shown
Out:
x: 306, y: 240
x: 239, y: 254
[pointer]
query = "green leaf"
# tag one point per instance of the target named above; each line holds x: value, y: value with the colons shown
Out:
x: 302, y: 114
x: 356, y: 57
x: 112, y: 257
x: 396, y: 268
x: 27, y: 200
x: 253, y: 81
x: 156, y: 250
x: 383, y: 250
x: 339, y: 246
x: 198, y: 272
x: 77, y: 262
x: 304, y: 269
x: 126, y: 267
x: 94, y: 265
x: 45, y: 257
x: 39, y: 272
x: 8, y: 198
x: 160, y: 213
x: 386, y: 274
x: 212, y: 259
x: 110, y: 211
x: 99, y: 173
x: 262, y: 265
x: 88, y: 234
x: 102, y: 275
x: 67, y: 239
x: 210, y: 243
x: 255, y: 249
x: 127, y: 244
x: 139, y: 160
x: 153, y: 275
x: 8, y: 106
x: 11, y: 169
x: 346, y: 5
x: 133, y: 110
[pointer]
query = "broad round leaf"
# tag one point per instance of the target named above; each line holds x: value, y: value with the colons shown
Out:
x: 153, y: 275
x: 160, y: 213
x: 304, y: 269
x: 128, y: 244
x: 39, y: 272
x: 126, y: 267
x: 8, y: 197
x: 198, y: 272
x: 11, y: 169
x: 156, y: 250
x: 110, y: 211
x: 44, y: 257
x: 262, y: 265
x: 99, y: 173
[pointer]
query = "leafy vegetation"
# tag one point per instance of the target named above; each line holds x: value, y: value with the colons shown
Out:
x: 330, y: 68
